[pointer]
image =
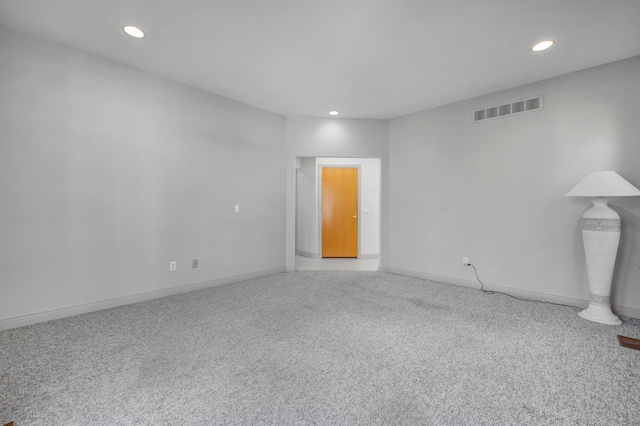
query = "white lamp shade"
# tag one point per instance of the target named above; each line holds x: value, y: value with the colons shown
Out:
x: 604, y: 184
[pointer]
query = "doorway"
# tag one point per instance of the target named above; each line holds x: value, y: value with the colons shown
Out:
x: 340, y: 212
x: 308, y: 214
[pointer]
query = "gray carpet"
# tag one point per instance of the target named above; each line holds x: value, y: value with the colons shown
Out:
x: 319, y: 347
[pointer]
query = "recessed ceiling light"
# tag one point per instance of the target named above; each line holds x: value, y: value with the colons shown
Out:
x: 543, y: 45
x: 333, y: 113
x: 133, y: 31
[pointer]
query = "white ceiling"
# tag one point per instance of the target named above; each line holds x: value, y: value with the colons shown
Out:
x: 365, y: 58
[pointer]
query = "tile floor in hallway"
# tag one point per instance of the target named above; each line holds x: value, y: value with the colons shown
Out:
x: 335, y: 264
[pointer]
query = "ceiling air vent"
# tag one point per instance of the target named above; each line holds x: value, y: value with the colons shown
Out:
x: 511, y: 108
x: 479, y: 115
x: 517, y: 107
x: 504, y: 110
x: 533, y: 103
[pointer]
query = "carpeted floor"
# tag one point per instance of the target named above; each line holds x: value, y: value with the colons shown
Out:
x: 325, y: 348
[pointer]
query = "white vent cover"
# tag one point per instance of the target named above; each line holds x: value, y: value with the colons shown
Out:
x: 511, y: 108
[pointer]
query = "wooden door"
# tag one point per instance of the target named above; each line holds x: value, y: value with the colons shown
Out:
x: 340, y: 212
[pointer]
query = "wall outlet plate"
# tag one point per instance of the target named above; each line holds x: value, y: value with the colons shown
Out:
x: 465, y: 261
x: 194, y: 264
x: 173, y: 265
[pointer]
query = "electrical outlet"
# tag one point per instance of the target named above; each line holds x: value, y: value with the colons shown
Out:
x: 194, y: 264
x: 465, y: 261
x: 173, y: 265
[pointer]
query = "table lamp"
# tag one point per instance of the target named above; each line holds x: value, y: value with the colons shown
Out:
x: 601, y: 236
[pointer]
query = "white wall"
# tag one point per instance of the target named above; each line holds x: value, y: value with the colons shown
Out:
x: 108, y: 173
x: 494, y: 190
x: 308, y: 205
x: 333, y: 137
x: 306, y: 208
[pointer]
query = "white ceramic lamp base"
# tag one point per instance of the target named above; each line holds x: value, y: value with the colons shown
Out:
x: 601, y: 236
x: 600, y: 313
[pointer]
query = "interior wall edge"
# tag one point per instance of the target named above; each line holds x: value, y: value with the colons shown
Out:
x: 307, y: 254
x: 369, y: 256
x: 579, y: 303
x: 54, y: 314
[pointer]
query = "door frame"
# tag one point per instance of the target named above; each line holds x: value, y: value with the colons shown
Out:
x: 319, y: 201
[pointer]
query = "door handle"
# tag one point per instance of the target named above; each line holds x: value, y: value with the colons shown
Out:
x: 355, y: 216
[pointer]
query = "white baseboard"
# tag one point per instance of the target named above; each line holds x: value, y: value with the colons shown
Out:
x: 580, y: 303
x: 21, y: 321
x: 626, y: 311
x: 24, y: 320
x: 368, y: 256
x: 308, y: 254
